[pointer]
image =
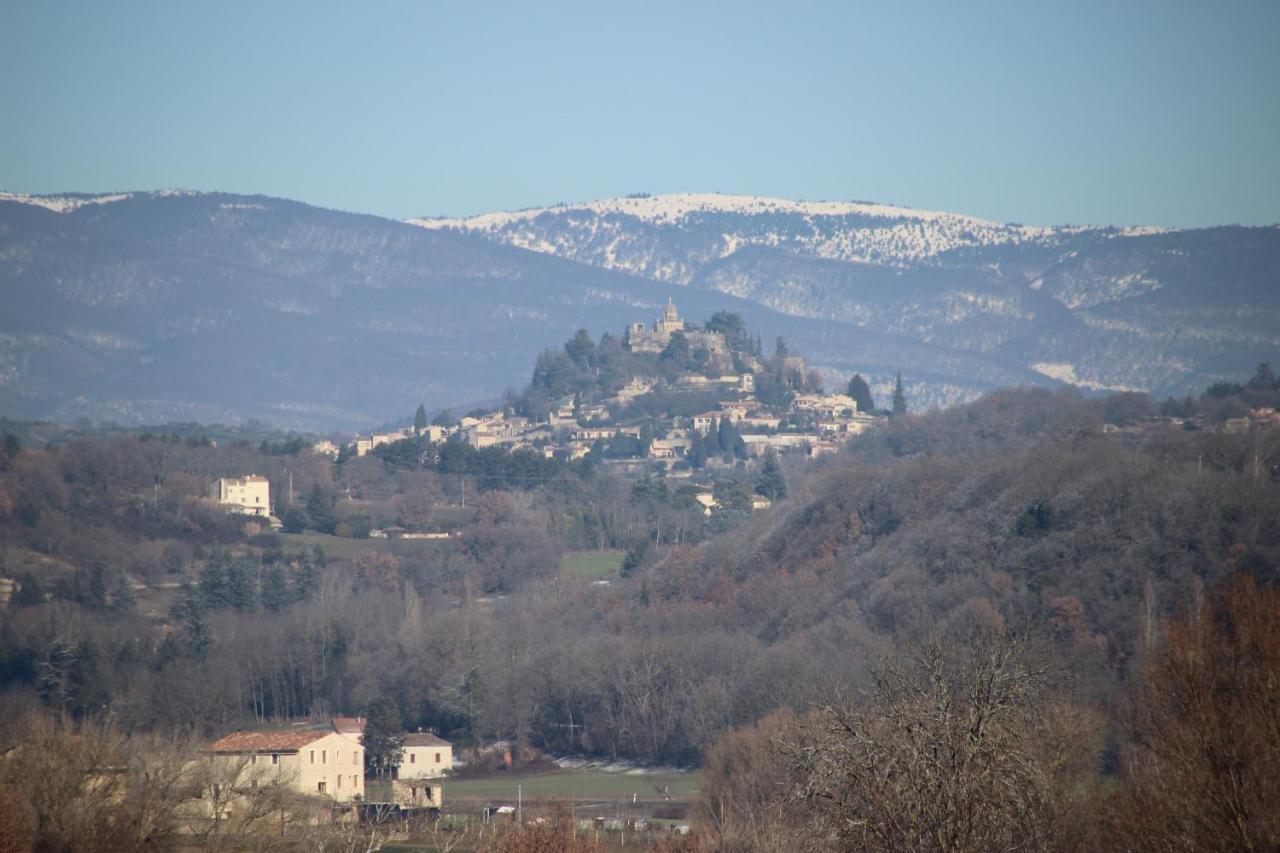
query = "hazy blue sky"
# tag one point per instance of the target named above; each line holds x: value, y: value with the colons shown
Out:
x: 1039, y: 112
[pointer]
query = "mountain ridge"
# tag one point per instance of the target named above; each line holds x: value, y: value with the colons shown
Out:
x: 127, y: 305
x: 1134, y: 307
x: 222, y: 307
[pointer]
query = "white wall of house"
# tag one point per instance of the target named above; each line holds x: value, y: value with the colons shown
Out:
x: 251, y: 495
x: 330, y: 766
x: 425, y: 761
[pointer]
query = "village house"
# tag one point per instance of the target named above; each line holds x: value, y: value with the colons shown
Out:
x: 594, y: 411
x: 325, y: 448
x: 702, y: 423
x: 315, y: 762
x: 434, y: 434
x: 758, y: 445
x: 668, y: 448
x: 758, y: 423
x: 425, y: 755
x: 827, y: 406
x: 594, y: 433
x: 250, y: 495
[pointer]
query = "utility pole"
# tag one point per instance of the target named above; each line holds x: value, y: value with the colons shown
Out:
x: 519, y: 805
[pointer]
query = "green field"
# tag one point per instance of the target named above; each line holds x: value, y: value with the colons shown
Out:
x: 588, y: 784
x: 334, y: 546
x: 592, y: 564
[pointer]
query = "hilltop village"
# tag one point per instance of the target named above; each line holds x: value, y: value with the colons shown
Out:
x: 670, y: 399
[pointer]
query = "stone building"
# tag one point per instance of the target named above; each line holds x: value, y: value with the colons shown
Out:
x: 640, y: 338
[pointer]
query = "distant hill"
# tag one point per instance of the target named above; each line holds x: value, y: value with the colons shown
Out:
x: 1104, y: 307
x: 146, y: 307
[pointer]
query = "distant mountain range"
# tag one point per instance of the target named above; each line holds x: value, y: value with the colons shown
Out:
x: 144, y: 307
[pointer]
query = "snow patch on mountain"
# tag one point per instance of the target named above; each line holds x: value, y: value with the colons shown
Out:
x: 62, y: 203
x: 675, y: 207
x: 75, y: 201
x: 627, y: 233
x: 1064, y: 372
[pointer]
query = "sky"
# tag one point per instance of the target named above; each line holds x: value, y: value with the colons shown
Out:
x: 1133, y: 112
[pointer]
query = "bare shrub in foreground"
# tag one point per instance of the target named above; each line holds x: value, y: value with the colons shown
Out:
x: 946, y: 758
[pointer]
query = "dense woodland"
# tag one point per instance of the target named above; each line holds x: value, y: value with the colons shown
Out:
x: 1084, y: 527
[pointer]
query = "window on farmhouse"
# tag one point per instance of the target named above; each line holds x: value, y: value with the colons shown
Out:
x: 437, y: 758
x: 275, y: 759
x: 412, y: 758
x: 320, y: 787
x: 313, y: 756
x: 324, y: 756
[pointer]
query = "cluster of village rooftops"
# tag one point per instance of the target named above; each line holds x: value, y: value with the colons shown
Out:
x: 812, y: 424
x: 328, y: 762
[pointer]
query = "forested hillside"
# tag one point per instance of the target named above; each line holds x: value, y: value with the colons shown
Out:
x: 1083, y: 521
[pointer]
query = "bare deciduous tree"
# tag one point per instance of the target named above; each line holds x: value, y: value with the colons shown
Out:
x: 944, y: 759
x: 1205, y: 774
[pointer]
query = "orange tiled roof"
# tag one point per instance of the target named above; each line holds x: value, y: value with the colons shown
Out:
x: 282, y: 741
x: 349, y: 725
x: 424, y: 739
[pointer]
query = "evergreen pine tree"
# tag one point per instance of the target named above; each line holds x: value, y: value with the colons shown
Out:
x: 771, y: 482
x: 275, y: 588
x: 242, y: 591
x: 320, y: 508
x: 860, y: 391
x: 1264, y: 379
x: 29, y: 592
x: 697, y: 450
x: 213, y: 580
x: 899, y: 397
x: 190, y: 611
x: 95, y: 595
x: 309, y: 565
x: 420, y: 419
x: 123, y: 598
x: 724, y: 435
x: 636, y: 557
x: 383, y: 736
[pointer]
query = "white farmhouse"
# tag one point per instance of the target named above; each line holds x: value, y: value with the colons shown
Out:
x: 315, y: 762
x: 250, y: 495
x: 425, y: 755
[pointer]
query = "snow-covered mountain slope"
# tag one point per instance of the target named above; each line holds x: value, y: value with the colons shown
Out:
x: 132, y: 306
x: 1157, y: 306
x: 219, y: 307
x: 634, y: 233
x: 67, y: 202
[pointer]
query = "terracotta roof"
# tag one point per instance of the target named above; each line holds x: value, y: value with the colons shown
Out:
x: 281, y: 741
x: 424, y: 739
x: 349, y: 725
